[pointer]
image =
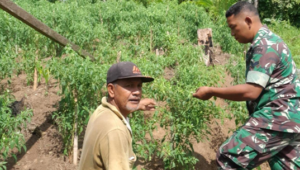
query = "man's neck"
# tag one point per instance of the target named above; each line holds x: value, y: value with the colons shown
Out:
x: 112, y: 102
x: 256, y: 28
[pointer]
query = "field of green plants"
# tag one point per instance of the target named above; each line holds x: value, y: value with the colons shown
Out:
x: 132, y: 30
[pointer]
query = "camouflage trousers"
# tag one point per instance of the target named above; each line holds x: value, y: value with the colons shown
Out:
x: 249, y: 147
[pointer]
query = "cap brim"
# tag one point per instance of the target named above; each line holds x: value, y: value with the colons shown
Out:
x: 144, y: 78
x: 147, y: 79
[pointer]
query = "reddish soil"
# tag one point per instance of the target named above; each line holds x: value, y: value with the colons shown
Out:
x: 44, y: 146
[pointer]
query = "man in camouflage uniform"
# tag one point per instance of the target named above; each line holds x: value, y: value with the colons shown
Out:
x: 272, y: 91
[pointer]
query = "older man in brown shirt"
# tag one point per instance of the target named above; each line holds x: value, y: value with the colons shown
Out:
x: 108, y: 138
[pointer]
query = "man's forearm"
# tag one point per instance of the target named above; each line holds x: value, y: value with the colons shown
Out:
x: 242, y: 92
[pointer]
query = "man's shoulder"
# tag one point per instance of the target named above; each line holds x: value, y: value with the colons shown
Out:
x: 268, y: 38
x: 105, y: 118
x: 104, y: 114
x: 269, y: 42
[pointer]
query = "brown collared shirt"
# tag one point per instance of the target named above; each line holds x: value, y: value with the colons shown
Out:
x: 107, y: 142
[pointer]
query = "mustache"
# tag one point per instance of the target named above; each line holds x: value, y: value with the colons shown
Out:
x: 134, y: 99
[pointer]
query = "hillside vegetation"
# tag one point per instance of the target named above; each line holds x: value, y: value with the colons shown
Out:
x: 130, y: 31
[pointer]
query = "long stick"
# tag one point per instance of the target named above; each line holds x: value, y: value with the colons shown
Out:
x: 75, y: 146
x: 35, y: 77
x: 30, y: 20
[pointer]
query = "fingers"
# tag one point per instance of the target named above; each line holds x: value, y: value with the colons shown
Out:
x: 195, y: 94
x: 153, y: 102
x: 147, y: 104
x: 150, y: 108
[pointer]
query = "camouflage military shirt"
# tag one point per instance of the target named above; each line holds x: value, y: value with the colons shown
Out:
x: 269, y: 64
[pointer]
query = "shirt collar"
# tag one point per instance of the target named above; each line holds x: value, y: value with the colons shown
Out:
x: 117, y: 112
x: 258, y: 36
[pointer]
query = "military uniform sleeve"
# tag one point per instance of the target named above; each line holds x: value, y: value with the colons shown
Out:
x: 262, y: 65
x: 114, y: 150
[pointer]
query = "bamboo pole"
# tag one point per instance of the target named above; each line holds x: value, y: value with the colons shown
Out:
x: 119, y: 54
x: 35, y: 76
x: 151, y: 35
x: 35, y: 81
x: 34, y: 23
x: 75, y: 145
x: 256, y: 4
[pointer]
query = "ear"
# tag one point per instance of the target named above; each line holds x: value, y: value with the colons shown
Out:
x: 110, y: 90
x: 249, y: 22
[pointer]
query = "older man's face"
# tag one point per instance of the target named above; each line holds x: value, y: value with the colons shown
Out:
x: 127, y: 94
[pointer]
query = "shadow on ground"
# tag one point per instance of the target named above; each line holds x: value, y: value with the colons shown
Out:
x: 36, y: 135
x: 157, y: 164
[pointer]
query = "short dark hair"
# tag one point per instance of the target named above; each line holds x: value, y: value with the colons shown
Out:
x: 239, y: 6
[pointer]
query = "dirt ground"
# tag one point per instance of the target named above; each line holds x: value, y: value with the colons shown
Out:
x: 44, y: 145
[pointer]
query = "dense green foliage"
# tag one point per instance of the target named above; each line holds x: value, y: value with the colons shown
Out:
x: 10, y: 128
x: 290, y: 35
x: 132, y: 31
x: 83, y: 83
x: 215, y: 7
x: 280, y: 10
x: 287, y: 10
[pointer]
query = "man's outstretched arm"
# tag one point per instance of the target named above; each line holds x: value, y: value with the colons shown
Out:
x: 241, y: 92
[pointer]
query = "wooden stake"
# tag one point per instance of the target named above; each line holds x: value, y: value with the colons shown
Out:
x: 151, y: 34
x: 119, y: 54
x: 75, y: 146
x: 205, y: 39
x: 245, y: 52
x: 35, y: 78
x: 34, y: 23
x: 256, y: 4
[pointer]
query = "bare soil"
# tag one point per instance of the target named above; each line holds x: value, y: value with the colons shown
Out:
x: 44, y: 143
